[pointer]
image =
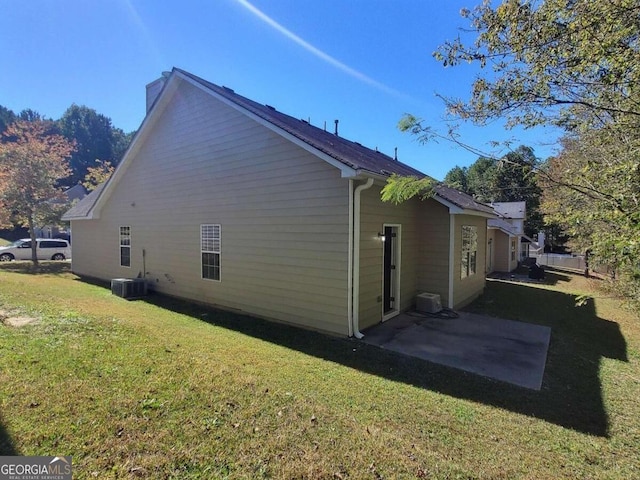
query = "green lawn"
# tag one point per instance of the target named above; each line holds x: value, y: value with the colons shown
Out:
x: 166, y: 389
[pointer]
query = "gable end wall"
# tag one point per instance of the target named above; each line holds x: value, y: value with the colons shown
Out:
x: 283, y: 213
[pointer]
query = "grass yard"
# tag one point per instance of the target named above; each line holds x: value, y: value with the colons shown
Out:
x: 166, y: 389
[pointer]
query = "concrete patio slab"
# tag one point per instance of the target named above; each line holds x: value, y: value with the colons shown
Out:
x: 506, y: 350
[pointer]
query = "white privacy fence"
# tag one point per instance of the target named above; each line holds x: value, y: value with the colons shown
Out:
x: 571, y: 262
x: 574, y: 262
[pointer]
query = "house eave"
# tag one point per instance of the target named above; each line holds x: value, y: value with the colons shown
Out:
x: 457, y: 210
x: 506, y: 232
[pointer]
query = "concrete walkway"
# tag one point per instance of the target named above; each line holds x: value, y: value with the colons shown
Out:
x: 513, y: 352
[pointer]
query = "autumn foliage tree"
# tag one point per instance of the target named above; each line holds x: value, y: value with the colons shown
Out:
x: 98, y: 174
x: 33, y: 161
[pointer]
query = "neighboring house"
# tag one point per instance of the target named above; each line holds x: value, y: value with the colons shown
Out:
x: 72, y: 194
x: 229, y: 202
x: 507, y: 245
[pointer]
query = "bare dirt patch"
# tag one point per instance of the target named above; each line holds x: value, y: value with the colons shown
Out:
x: 12, y: 319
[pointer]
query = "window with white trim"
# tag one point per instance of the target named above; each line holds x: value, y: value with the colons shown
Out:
x: 125, y: 246
x: 469, y: 250
x: 210, y: 240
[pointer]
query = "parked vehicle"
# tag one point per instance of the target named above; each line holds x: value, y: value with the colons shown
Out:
x: 46, y: 249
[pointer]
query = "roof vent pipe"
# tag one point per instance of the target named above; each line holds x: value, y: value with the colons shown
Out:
x: 336, y: 122
x: 395, y: 154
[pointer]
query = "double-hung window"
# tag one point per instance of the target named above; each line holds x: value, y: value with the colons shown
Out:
x: 469, y: 250
x: 210, y: 240
x: 125, y: 246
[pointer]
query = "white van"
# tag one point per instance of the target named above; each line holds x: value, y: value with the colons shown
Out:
x: 47, y: 249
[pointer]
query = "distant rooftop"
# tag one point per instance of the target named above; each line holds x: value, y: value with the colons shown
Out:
x: 515, y: 210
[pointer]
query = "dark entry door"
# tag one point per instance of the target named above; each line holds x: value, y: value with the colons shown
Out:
x: 389, y: 269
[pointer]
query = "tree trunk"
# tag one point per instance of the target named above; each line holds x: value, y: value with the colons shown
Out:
x: 32, y: 234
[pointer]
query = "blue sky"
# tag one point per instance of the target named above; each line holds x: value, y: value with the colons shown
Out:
x: 364, y: 62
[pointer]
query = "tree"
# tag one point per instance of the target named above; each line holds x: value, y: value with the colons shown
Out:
x: 572, y: 64
x: 481, y: 180
x: 511, y: 178
x: 592, y: 189
x: 97, y: 175
x: 96, y: 139
x: 29, y: 115
x: 7, y: 117
x: 457, y: 178
x: 32, y: 163
x: 562, y: 62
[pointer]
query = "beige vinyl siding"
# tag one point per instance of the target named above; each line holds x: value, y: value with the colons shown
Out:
x: 424, y: 249
x: 502, y: 255
x: 491, y: 250
x: 96, y: 253
x: 433, y: 272
x: 467, y: 289
x: 374, y: 214
x: 283, y: 212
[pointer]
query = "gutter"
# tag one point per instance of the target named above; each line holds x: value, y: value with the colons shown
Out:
x: 355, y: 294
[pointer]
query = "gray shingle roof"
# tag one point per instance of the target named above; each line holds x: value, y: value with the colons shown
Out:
x: 347, y: 152
x: 462, y: 200
x: 351, y: 154
x: 83, y: 207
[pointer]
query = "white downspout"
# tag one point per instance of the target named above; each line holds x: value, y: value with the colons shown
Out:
x: 350, y: 264
x: 452, y: 243
x: 355, y: 320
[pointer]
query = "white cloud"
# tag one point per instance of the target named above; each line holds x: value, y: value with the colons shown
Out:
x: 317, y: 52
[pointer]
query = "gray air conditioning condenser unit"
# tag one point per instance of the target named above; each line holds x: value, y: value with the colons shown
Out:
x: 129, y: 288
x: 428, y: 303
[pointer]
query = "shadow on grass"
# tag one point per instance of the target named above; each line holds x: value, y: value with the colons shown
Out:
x: 6, y: 443
x: 521, y: 275
x: 43, y: 268
x: 571, y: 392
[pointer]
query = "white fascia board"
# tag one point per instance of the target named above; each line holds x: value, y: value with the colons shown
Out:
x: 506, y: 232
x: 453, y: 208
x: 366, y: 174
x: 456, y: 210
x: 478, y: 214
x: 345, y: 171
